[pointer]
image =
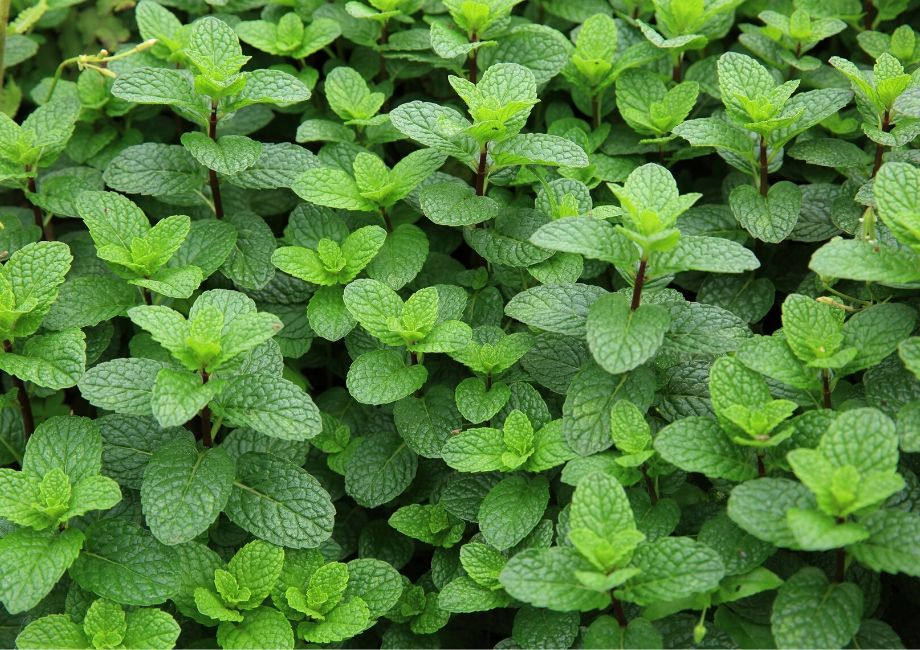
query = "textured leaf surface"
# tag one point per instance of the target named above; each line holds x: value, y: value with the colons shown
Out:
x: 279, y: 502
x: 184, y: 490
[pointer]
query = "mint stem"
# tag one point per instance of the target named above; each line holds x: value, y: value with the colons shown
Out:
x: 205, y: 418
x: 46, y: 228
x: 826, y: 388
x: 650, y: 486
x: 596, y: 111
x: 869, y: 14
x: 386, y: 219
x: 25, y: 406
x: 761, y: 469
x: 677, y: 74
x: 764, y: 168
x: 637, y: 286
x: 212, y: 175
x: 481, y: 170
x: 840, y: 560
x: 880, y: 148
x: 618, y: 612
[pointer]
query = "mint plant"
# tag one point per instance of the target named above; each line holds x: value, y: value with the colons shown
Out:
x: 474, y: 323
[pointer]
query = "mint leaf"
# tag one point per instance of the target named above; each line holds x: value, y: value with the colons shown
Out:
x: 832, y: 611
x: 33, y: 562
x: 511, y: 510
x: 125, y: 563
x: 184, y: 490
x: 279, y: 502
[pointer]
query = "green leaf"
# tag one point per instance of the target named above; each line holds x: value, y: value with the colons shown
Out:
x: 511, y: 510
x: 332, y: 188
x: 279, y: 502
x: 104, y: 623
x: 817, y: 531
x: 477, y: 403
x: 672, y: 568
x: 256, y: 568
x: 264, y: 628
x: 70, y: 444
x: 160, y: 86
x: 538, y: 149
x: 909, y: 352
x: 759, y: 507
x: 381, y: 469
x: 698, y: 444
x: 431, y: 524
x: 214, y: 49
x: 710, y: 254
x: 382, y: 377
x: 32, y: 562
x: 345, y: 621
x: 885, y: 549
x: 463, y: 595
x: 401, y: 257
x: 178, y: 396
x: 348, y: 95
x: 591, y: 238
x: 555, y: 308
x: 601, y: 523
x: 475, y: 450
x: 771, y: 218
x: 150, y: 628
x: 328, y: 315
x: 621, y: 338
x: 273, y: 406
x: 857, y: 259
x: 456, y: 204
x: 184, y: 490
x: 123, y: 562
x: 876, y: 332
x: 269, y: 87
x: 229, y: 154
x: 56, y: 360
x: 426, y: 422
x: 813, y: 330
x: 545, y: 577
x: 809, y: 611
x: 155, y: 170
x: 52, y: 631
x: 122, y: 385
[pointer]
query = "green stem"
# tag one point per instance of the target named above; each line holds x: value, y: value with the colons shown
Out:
x: 826, y: 388
x: 764, y: 168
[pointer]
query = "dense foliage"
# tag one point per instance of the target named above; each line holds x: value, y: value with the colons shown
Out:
x: 459, y: 323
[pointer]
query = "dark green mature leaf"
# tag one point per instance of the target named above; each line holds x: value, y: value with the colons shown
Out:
x: 279, y: 502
